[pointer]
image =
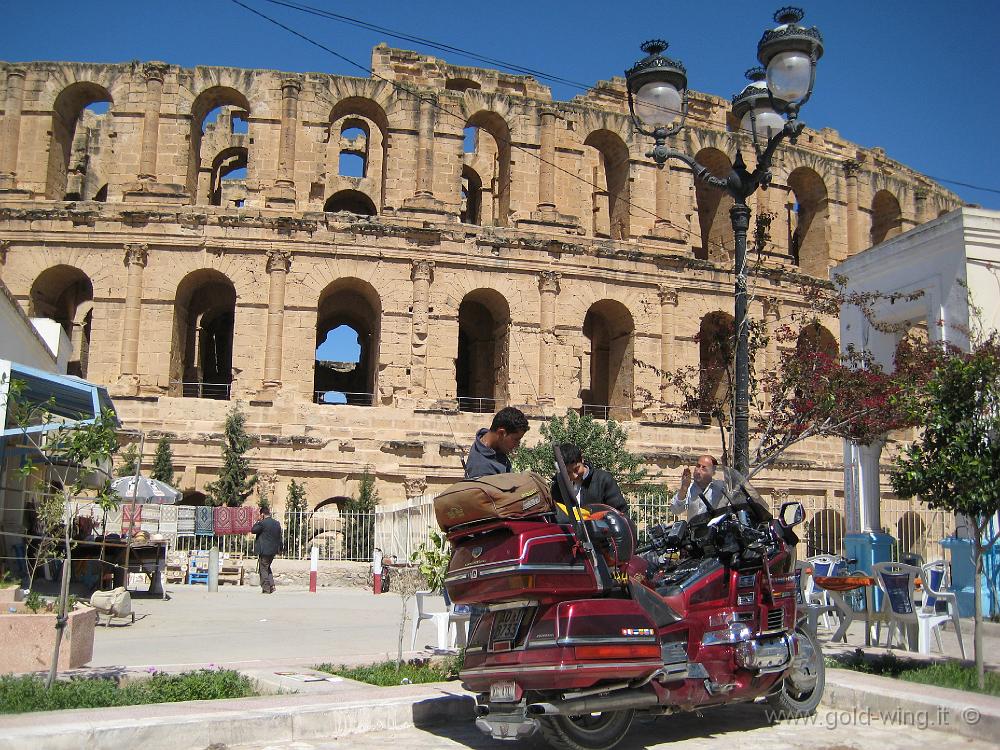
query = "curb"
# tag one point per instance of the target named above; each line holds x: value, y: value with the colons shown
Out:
x: 898, y: 702
x: 200, y: 724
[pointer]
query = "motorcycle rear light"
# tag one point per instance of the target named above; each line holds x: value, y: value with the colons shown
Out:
x: 625, y: 651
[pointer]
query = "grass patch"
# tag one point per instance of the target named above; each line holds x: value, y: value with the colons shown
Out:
x: 28, y: 693
x: 386, y: 674
x: 945, y: 674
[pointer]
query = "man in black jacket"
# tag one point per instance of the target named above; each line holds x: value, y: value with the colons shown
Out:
x: 590, y: 485
x: 267, y: 545
x: 490, y: 451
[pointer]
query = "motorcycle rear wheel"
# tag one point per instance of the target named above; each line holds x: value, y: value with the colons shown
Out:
x: 597, y: 731
x: 802, y: 689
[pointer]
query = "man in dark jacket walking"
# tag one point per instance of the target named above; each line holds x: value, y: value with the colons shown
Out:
x: 590, y: 485
x: 267, y: 545
x: 490, y: 451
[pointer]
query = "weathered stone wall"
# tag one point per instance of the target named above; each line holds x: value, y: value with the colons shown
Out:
x: 573, y: 220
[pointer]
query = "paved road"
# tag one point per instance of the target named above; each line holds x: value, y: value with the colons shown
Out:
x: 733, y: 727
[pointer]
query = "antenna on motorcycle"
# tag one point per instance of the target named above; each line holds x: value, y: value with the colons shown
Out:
x: 576, y: 516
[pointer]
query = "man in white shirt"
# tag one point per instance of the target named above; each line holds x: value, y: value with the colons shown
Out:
x: 703, y: 493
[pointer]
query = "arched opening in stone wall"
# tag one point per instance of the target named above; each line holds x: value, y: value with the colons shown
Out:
x: 66, y: 174
x: 354, y: 137
x: 193, y: 497
x: 201, y: 359
x: 717, y: 351
x: 825, y: 533
x: 228, y: 179
x: 816, y: 339
x: 807, y: 222
x: 887, y: 218
x: 357, y: 149
x: 490, y: 161
x: 333, y: 505
x: 472, y: 196
x: 216, y: 117
x: 354, y: 306
x: 352, y: 201
x: 713, y: 209
x: 66, y: 295
x: 481, y: 370
x: 101, y: 196
x: 607, y: 169
x: 911, y: 535
x: 462, y: 84
x: 609, y: 363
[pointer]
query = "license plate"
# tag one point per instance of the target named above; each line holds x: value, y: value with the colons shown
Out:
x: 505, y: 624
x: 503, y: 692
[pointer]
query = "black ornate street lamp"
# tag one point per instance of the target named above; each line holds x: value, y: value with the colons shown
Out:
x: 768, y: 110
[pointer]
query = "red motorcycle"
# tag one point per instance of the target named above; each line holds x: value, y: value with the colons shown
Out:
x: 575, y: 629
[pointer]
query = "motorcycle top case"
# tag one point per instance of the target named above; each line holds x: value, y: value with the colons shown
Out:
x: 491, y: 497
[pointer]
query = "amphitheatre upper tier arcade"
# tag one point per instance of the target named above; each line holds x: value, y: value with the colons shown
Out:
x: 200, y: 231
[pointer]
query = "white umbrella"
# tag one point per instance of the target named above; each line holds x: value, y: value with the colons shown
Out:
x: 145, y: 490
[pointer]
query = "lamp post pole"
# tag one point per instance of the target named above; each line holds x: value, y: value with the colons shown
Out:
x: 657, y: 97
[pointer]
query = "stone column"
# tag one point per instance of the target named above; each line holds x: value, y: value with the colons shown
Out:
x: 11, y: 128
x: 154, y: 74
x: 425, y: 147
x: 851, y: 169
x: 548, y: 287
x: 136, y: 256
x: 772, y: 314
x: 422, y: 275
x: 546, y: 167
x: 278, y: 264
x: 920, y: 199
x: 668, y: 334
x: 283, y: 193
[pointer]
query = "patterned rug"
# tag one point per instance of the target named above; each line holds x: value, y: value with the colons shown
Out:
x: 244, y: 519
x: 204, y: 523
x: 224, y: 517
x: 113, y: 525
x: 130, y: 519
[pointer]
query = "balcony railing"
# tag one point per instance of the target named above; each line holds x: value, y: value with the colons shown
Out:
x: 343, y: 398
x: 218, y: 391
x: 603, y: 411
x: 478, y: 405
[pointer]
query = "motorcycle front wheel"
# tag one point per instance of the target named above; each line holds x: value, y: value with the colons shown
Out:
x: 802, y: 688
x: 596, y: 731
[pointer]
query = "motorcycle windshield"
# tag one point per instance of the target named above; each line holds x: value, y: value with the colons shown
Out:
x: 742, y: 495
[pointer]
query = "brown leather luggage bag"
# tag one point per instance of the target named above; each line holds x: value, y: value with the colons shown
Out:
x: 494, y: 496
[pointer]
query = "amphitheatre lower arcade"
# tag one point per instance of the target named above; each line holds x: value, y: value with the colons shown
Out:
x: 200, y: 233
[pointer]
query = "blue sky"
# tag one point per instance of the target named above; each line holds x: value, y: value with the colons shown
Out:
x: 917, y: 78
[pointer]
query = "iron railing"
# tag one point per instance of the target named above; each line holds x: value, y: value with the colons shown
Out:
x: 343, y: 398
x: 478, y: 405
x: 217, y: 391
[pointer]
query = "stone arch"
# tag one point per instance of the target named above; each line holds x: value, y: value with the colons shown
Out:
x: 462, y: 84
x: 608, y: 172
x: 206, y: 101
x: 609, y: 329
x: 911, y: 534
x: 354, y: 303
x: 713, y: 209
x: 201, y: 353
x: 496, y: 150
x: 226, y: 162
x: 825, y: 533
x: 717, y: 351
x: 338, y: 503
x: 807, y: 222
x: 353, y: 201
x: 367, y: 115
x: 66, y: 110
x: 66, y: 294
x: 816, y: 338
x: 887, y: 217
x: 483, y: 362
x: 472, y: 196
x: 193, y: 497
x: 355, y: 135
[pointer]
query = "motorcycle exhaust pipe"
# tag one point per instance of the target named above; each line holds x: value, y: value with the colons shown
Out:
x: 595, y: 704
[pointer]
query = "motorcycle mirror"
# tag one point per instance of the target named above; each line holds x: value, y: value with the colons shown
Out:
x: 791, y: 514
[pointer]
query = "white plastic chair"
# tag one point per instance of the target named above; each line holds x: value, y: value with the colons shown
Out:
x: 450, y: 626
x: 898, y: 582
x: 821, y: 565
x: 936, y: 583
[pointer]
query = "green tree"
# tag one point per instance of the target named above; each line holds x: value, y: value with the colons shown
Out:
x: 235, y: 482
x: 296, y: 526
x: 955, y: 464
x: 359, y: 531
x: 129, y: 457
x: 602, y: 443
x: 163, y: 462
